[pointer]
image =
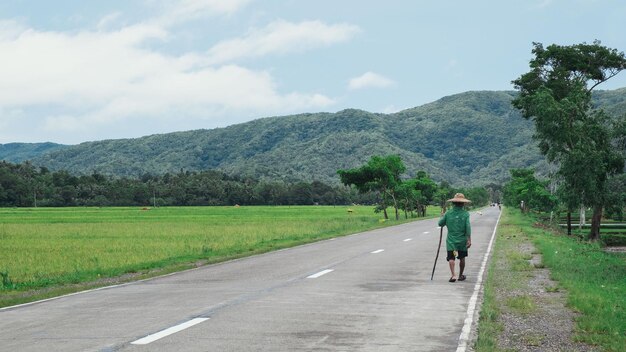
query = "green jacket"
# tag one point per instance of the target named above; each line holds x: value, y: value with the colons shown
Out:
x: 459, y: 230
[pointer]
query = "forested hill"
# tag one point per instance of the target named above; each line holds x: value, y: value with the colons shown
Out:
x: 18, y: 152
x: 468, y: 138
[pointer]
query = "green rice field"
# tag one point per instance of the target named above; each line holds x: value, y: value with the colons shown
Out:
x: 48, y: 251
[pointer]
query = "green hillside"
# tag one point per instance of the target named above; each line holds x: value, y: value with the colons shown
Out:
x: 612, y: 101
x: 18, y: 152
x: 468, y: 138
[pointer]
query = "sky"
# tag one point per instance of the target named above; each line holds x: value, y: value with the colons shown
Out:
x: 73, y: 71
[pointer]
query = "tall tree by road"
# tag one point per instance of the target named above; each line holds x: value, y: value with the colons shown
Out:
x: 381, y: 174
x: 556, y: 95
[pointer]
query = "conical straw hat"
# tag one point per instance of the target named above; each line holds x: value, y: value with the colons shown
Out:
x: 459, y: 198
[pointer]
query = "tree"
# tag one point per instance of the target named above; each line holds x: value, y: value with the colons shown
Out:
x: 443, y: 193
x: 408, y: 196
x: 495, y: 192
x: 441, y: 197
x: 478, y: 195
x: 524, y: 188
x: 301, y: 193
x: 556, y: 95
x: 381, y: 174
x: 427, y: 189
x: 617, y: 197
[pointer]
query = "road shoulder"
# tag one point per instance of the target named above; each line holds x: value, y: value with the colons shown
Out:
x: 523, y: 309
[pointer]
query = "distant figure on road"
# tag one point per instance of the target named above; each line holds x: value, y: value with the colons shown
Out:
x: 459, y: 237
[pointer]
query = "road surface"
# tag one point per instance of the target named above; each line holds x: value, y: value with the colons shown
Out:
x: 365, y: 292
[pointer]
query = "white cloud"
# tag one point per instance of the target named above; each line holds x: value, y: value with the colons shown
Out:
x: 108, y: 20
x: 281, y: 37
x: 100, y: 79
x: 211, y: 6
x: 50, y: 67
x: 228, y: 88
x: 391, y: 109
x: 370, y: 80
x: 174, y: 12
x: 114, y: 74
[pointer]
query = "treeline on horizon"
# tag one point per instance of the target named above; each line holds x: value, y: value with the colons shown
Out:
x: 25, y: 185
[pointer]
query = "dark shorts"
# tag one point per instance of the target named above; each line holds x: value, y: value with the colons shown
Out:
x: 461, y: 255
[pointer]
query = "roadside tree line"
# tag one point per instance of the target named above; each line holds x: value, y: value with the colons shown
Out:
x: 586, y: 144
x: 383, y: 176
x: 530, y: 193
x: 24, y: 185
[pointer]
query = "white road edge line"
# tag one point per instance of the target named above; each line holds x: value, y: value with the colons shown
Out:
x: 316, y: 275
x: 407, y: 240
x: 174, y: 329
x: 377, y: 251
x: 471, y: 308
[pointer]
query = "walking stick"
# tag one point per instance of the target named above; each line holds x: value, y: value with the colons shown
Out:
x: 437, y: 256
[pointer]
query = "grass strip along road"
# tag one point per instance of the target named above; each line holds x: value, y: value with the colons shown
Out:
x: 593, y: 281
x: 45, y: 252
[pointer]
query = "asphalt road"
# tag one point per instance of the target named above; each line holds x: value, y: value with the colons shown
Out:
x: 365, y: 292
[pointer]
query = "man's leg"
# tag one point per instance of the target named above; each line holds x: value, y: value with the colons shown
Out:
x: 451, y: 263
x: 461, y: 266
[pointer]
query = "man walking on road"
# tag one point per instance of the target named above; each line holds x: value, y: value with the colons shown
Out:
x: 459, y: 238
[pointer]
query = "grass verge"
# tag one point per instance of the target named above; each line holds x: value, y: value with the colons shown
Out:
x: 595, y: 282
x: 506, y: 271
x: 596, y: 286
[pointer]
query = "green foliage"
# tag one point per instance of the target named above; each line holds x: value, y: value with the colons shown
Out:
x: 24, y: 186
x: 409, y: 197
x: 524, y: 186
x: 6, y: 280
x: 426, y: 186
x: 380, y: 175
x: 616, y: 199
x: 18, y: 152
x: 613, y: 239
x: 443, y: 193
x: 521, y: 304
x: 478, y: 195
x: 556, y: 95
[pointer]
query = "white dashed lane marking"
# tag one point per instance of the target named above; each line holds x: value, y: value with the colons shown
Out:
x: 316, y: 275
x: 174, y: 329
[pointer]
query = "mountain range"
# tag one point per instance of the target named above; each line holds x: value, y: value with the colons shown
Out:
x: 471, y: 138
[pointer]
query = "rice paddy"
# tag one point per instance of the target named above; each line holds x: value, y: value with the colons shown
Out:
x: 54, y: 247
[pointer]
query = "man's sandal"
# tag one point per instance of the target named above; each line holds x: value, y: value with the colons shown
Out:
x: 452, y: 279
x: 462, y: 278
